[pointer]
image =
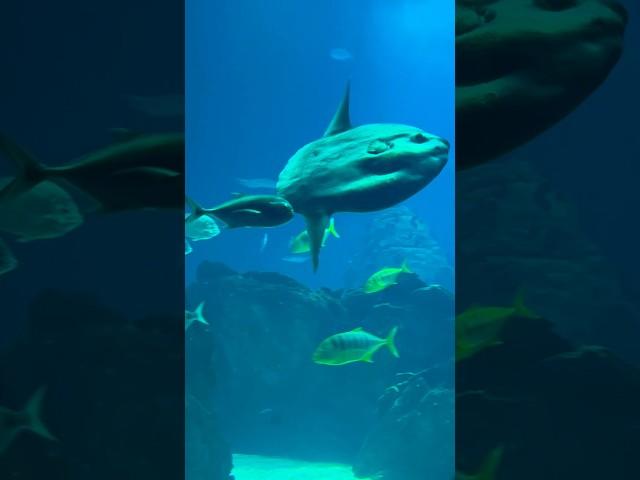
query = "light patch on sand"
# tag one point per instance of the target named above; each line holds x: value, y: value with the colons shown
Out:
x: 255, y: 467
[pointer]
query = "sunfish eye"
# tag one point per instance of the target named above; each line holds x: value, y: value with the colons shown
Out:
x: 378, y: 146
x: 419, y: 138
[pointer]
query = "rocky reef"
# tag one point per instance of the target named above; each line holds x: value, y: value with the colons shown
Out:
x: 523, y: 65
x: 396, y: 235
x: 516, y: 234
x: 264, y: 329
x: 413, y: 437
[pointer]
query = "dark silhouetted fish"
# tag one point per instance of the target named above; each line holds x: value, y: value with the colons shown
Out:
x: 143, y: 172
x: 248, y: 211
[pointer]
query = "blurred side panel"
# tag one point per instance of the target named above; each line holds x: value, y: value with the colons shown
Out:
x: 547, y: 310
x: 91, y: 238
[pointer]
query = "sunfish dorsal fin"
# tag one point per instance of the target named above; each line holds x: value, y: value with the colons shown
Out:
x: 341, y: 121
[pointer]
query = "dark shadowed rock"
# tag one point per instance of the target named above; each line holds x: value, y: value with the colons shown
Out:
x: 113, y: 384
x: 514, y: 233
x: 559, y: 413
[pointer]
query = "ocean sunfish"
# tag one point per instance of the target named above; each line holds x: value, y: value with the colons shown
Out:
x: 247, y: 211
x: 146, y: 171
x: 358, y: 169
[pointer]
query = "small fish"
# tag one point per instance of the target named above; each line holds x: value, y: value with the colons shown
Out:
x: 247, y: 211
x: 302, y: 244
x: 257, y: 183
x: 384, y: 278
x: 44, y: 211
x: 195, y: 316
x: 12, y: 422
x: 479, y: 328
x: 488, y: 469
x: 296, y: 259
x: 161, y: 106
x: 340, y: 54
x: 7, y: 261
x: 200, y: 228
x: 354, y: 346
x: 187, y: 247
x: 265, y: 240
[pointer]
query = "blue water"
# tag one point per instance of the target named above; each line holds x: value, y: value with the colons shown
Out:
x: 261, y: 83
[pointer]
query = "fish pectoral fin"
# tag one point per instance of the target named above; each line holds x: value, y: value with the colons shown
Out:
x: 368, y: 357
x: 250, y: 211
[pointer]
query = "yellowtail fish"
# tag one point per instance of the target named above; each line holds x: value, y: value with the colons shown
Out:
x: 195, y: 316
x: 14, y: 422
x: 302, y: 244
x: 384, y: 278
x: 353, y: 346
x: 479, y: 328
x: 488, y: 469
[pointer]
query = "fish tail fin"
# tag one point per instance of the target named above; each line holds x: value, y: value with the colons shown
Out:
x: 200, y: 314
x: 30, y: 171
x: 33, y: 411
x: 332, y: 228
x: 521, y: 309
x: 315, y: 228
x: 196, y: 210
x: 490, y: 465
x: 391, y: 342
x: 405, y: 267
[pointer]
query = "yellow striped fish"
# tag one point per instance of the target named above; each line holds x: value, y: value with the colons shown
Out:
x: 353, y: 346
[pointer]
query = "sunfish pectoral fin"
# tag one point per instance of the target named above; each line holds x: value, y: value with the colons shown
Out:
x: 30, y: 171
x: 341, y: 121
x: 315, y: 228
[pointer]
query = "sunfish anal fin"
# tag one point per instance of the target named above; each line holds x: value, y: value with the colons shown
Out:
x: 341, y: 121
x: 315, y: 228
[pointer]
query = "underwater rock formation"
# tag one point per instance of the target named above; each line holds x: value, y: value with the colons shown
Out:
x: 523, y: 65
x: 265, y: 328
x: 393, y: 236
x: 558, y: 412
x: 414, y: 436
x: 112, y: 383
x: 515, y: 234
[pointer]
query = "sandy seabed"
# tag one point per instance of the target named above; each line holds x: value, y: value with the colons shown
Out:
x: 255, y: 467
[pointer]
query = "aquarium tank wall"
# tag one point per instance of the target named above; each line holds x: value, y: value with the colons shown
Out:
x: 319, y: 240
